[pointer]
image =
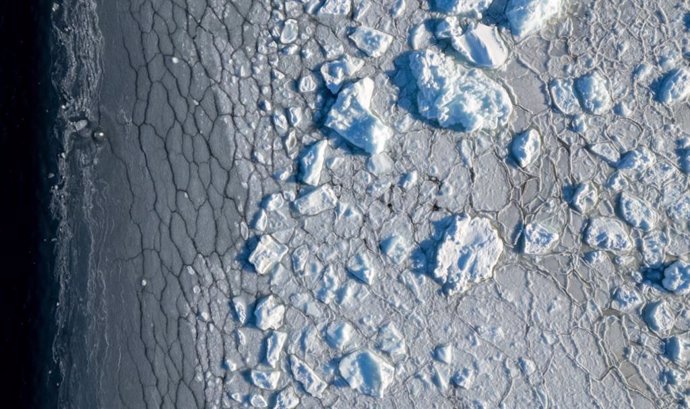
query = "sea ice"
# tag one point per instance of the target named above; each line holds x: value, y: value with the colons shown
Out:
x: 677, y: 278
x: 606, y: 151
x: 453, y: 95
x: 563, y: 96
x: 525, y: 147
x: 352, y: 118
x: 395, y: 247
x: 391, y: 341
x: 366, y: 372
x: 538, y: 239
x: 470, y: 8
x: 467, y: 254
x: 528, y: 16
x: 607, y: 233
x: 269, y: 313
x: 318, y: 200
x: 584, y: 197
x: 306, y: 376
x: 335, y: 72
x: 274, y: 346
x: 287, y: 399
x: 659, y: 317
x: 371, y: 42
x: 444, y: 353
x: 625, y: 298
x: 593, y: 94
x: 338, y: 334
x: 265, y: 379
x: 240, y: 305
x: 360, y: 267
x: 677, y: 349
x: 311, y: 163
x: 674, y: 87
x: 637, y: 160
x: 636, y: 212
x: 482, y: 46
x: 336, y: 7
x: 267, y: 254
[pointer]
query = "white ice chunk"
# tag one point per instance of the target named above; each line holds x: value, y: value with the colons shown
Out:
x: 481, y: 45
x: 584, y: 197
x: 471, y: 8
x: 391, y: 341
x: 318, y: 200
x: 677, y: 278
x: 269, y: 313
x: 328, y: 285
x: 464, y: 378
x: 267, y: 254
x: 306, y: 376
x: 265, y: 379
x: 444, y: 353
x: 274, y: 347
x: 287, y: 399
x: 625, y: 298
x: 397, y: 8
x: 593, y: 94
x: 455, y: 96
x: 335, y: 72
x: 637, y: 160
x: 659, y: 317
x: 311, y: 163
x: 352, y: 118
x: 468, y: 253
x: 379, y: 164
x: 366, y: 372
x: 258, y: 401
x: 636, y: 212
x: 525, y: 147
x: 674, y: 87
x: 339, y: 334
x: 360, y: 267
x: 371, y: 42
x: 240, y: 305
x: 606, y: 151
x: 563, y: 96
x: 395, y: 247
x: 677, y: 349
x: 538, y: 239
x: 290, y: 31
x: 607, y: 233
x: 527, y: 16
x: 336, y: 7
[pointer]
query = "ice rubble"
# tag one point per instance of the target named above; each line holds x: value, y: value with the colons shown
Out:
x: 636, y: 212
x: 335, y: 72
x: 593, y: 94
x: 267, y: 254
x: 318, y: 200
x: 584, y: 197
x: 563, y: 96
x: 470, y: 8
x: 391, y: 341
x: 467, y: 255
x: 371, y: 42
x: 336, y: 7
x: 274, y: 346
x: 265, y: 379
x: 677, y: 278
x: 339, y: 334
x: 482, y: 46
x: 525, y: 147
x: 366, y: 372
x: 444, y: 353
x: 287, y: 399
x: 269, y: 313
x: 360, y: 267
x: 527, y: 16
x: 311, y: 163
x: 607, y: 233
x: 352, y: 118
x: 674, y: 87
x: 396, y: 248
x: 538, y: 239
x: 453, y: 95
x: 306, y: 376
x: 659, y: 317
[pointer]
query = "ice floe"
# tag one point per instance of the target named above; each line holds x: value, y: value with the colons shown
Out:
x: 527, y: 16
x: 659, y: 317
x: 274, y: 347
x: 366, y: 372
x: 674, y: 87
x: 336, y: 7
x: 287, y: 399
x: 482, y: 46
x: 305, y: 375
x: 538, y: 239
x: 269, y: 313
x: 360, y: 267
x: 316, y: 201
x: 677, y: 278
x: 636, y: 212
x: 371, y: 42
x: 470, y: 8
x: 563, y: 96
x: 265, y: 379
x: 525, y: 147
x: 593, y: 94
x: 339, y: 334
x: 267, y: 253
x: 606, y: 233
x: 335, y: 72
x: 311, y: 163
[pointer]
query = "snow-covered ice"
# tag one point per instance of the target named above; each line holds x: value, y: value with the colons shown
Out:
x: 467, y: 255
x: 316, y: 201
x: 525, y: 147
x: 470, y: 8
x: 606, y: 233
x: 335, y: 72
x: 274, y: 347
x: 265, y: 379
x: 339, y: 334
x: 677, y: 277
x: 307, y: 377
x: 395, y: 247
x: 482, y: 46
x: 659, y: 317
x: 593, y: 93
x: 527, y: 16
x: 366, y: 372
x: 674, y: 87
x: 352, y: 118
x: 391, y: 341
x: 538, y: 239
x: 267, y: 254
x: 584, y: 197
x: 336, y: 7
x: 444, y: 353
x: 287, y: 399
x: 269, y: 313
x: 360, y: 266
x: 563, y: 96
x: 371, y: 42
x: 636, y: 212
x: 454, y: 96
x: 311, y: 163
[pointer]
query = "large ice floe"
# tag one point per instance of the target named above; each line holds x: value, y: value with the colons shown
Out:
x: 481, y: 46
x: 366, y: 372
x: 467, y: 255
x: 674, y: 87
x: 470, y: 8
x: 527, y: 16
x: 456, y: 96
x: 352, y: 118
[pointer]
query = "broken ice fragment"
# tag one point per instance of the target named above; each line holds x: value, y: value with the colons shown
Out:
x: 318, y: 200
x: 269, y: 313
x: 290, y: 32
x: 636, y: 212
x: 335, y: 7
x: 338, y: 334
x: 471, y: 8
x: 287, y: 399
x: 352, y: 118
x: 267, y: 254
x: 563, y: 96
x: 311, y: 163
x: 676, y: 349
x: 258, y: 401
x: 638, y: 160
x: 606, y: 151
x: 371, y: 42
x: 306, y: 376
x: 464, y: 378
x: 335, y: 72
x: 677, y: 278
x: 265, y: 379
x: 455, y: 96
x: 674, y: 87
x: 366, y: 372
x: 658, y: 317
x: 606, y: 233
x: 391, y: 341
x: 593, y: 94
x: 240, y: 305
x: 274, y: 346
x: 625, y: 298
x: 467, y: 254
x: 481, y: 45
x: 528, y: 16
x: 395, y: 247
x: 526, y: 147
x: 360, y: 267
x: 538, y: 239
x: 444, y: 353
x: 328, y: 285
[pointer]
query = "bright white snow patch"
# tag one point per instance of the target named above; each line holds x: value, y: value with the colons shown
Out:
x: 606, y: 233
x: 674, y: 87
x: 366, y: 372
x: 318, y: 200
x: 306, y: 376
x: 481, y: 45
x: 269, y: 313
x: 371, y: 42
x: 311, y: 163
x: 473, y: 8
x: 352, y: 118
x: 339, y: 334
x: 528, y: 16
x: 335, y: 72
x: 453, y: 95
x: 265, y: 379
x: 677, y: 278
x: 526, y: 147
x: 267, y: 254
x: 538, y: 239
x: 274, y: 346
x: 593, y: 94
x: 467, y: 255
x: 636, y: 212
x: 563, y: 96
x: 444, y: 353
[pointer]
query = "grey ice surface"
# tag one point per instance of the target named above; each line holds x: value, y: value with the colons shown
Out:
x: 385, y: 203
